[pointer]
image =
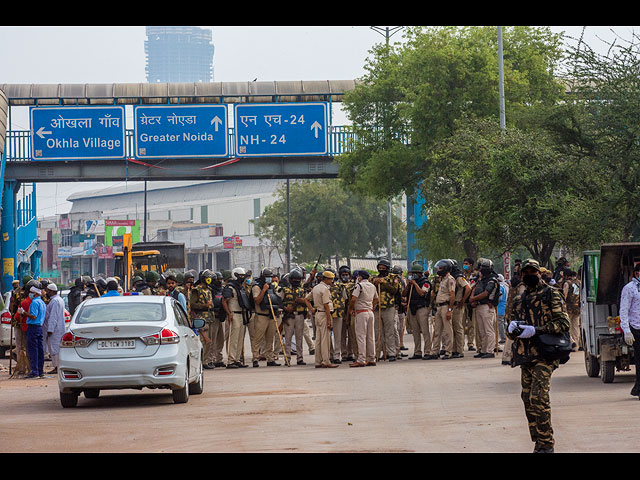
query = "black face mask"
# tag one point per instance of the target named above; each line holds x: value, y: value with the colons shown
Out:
x: 486, y: 272
x: 530, y: 280
x: 294, y: 283
x: 442, y: 273
x: 383, y: 273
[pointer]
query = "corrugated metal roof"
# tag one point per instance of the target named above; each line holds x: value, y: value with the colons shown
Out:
x: 188, y: 92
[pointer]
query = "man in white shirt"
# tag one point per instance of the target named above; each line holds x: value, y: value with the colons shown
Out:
x: 630, y: 320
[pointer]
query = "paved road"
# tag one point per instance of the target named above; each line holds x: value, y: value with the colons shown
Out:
x: 461, y: 405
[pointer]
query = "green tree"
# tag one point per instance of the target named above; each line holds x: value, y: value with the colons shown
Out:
x: 600, y: 130
x: 436, y: 78
x: 327, y: 220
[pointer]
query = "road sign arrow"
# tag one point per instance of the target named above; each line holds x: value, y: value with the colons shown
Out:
x: 42, y: 132
x: 217, y: 122
x: 316, y: 126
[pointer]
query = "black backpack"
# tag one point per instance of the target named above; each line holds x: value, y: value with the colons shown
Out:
x: 494, y: 297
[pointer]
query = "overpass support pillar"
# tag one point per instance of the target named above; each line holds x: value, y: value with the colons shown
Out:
x: 8, y: 233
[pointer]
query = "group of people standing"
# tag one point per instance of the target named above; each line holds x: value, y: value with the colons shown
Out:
x: 38, y: 323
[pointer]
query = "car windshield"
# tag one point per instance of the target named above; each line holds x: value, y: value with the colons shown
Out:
x: 121, y: 312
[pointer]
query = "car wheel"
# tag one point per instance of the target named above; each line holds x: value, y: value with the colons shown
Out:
x: 68, y: 400
x: 181, y: 395
x: 197, y: 387
x: 92, y: 393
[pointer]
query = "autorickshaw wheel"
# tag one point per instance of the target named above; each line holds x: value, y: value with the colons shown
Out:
x: 608, y: 371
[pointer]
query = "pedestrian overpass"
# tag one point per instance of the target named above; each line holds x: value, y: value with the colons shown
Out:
x: 285, y: 102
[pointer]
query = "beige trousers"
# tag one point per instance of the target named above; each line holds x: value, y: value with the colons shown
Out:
x: 338, y: 339
x: 485, y: 321
x: 388, y: 332
x: 457, y: 324
x: 365, y: 337
x: 263, y: 331
x: 323, y: 339
x: 295, y: 326
x: 419, y: 324
x: 442, y: 332
x: 213, y: 350
x: 236, y: 338
x: 574, y: 328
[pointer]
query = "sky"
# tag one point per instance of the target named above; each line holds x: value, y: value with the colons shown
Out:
x: 105, y: 54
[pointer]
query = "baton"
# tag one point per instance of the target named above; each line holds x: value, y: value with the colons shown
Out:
x: 284, y: 352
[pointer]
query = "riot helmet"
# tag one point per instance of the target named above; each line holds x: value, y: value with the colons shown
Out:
x: 442, y: 267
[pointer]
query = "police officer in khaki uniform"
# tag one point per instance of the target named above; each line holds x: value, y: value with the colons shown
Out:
x: 486, y: 288
x: 265, y: 324
x: 463, y: 290
x: 362, y: 303
x: 235, y: 302
x: 444, y: 300
x: 323, y: 320
x: 571, y: 291
x: 418, y: 295
x: 469, y: 320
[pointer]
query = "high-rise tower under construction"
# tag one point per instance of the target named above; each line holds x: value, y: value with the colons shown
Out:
x: 178, y: 54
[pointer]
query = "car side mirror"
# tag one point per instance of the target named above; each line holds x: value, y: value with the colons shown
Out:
x: 198, y: 323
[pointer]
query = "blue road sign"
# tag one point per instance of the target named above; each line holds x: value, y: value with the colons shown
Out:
x: 77, y: 133
x: 180, y: 131
x: 281, y: 129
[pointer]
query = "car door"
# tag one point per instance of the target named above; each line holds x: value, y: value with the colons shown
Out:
x: 192, y: 342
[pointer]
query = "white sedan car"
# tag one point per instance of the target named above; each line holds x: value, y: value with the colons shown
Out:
x: 127, y: 342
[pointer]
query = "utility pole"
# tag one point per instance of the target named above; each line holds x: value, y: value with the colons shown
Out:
x: 501, y: 79
x: 288, y: 231
x: 388, y: 32
x: 144, y: 236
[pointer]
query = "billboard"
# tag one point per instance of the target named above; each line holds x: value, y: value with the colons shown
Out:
x: 113, y: 228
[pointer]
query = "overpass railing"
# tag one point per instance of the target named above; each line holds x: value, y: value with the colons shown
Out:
x: 18, y: 143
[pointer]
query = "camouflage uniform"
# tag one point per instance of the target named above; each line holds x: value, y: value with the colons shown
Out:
x: 543, y: 307
x: 340, y: 297
x: 386, y: 330
x: 198, y: 299
x: 294, y: 321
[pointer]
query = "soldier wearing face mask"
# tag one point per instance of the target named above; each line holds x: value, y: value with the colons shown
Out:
x: 340, y: 291
x: 217, y: 333
x: 201, y: 304
x: 444, y: 301
x: 538, y: 310
x: 389, y: 286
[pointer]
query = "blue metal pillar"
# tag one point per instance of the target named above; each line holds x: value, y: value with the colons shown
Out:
x: 8, y: 231
x: 416, y: 218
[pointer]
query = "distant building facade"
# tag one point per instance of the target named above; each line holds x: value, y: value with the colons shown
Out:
x: 178, y: 54
x: 214, y: 220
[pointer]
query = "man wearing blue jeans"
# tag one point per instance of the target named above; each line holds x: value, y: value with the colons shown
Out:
x: 35, y: 345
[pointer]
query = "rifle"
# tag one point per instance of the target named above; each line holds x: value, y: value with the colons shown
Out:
x: 317, y: 262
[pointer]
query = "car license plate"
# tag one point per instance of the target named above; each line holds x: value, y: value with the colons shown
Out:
x: 110, y: 344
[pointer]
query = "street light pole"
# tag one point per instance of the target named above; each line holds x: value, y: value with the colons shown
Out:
x: 388, y: 32
x: 501, y: 79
